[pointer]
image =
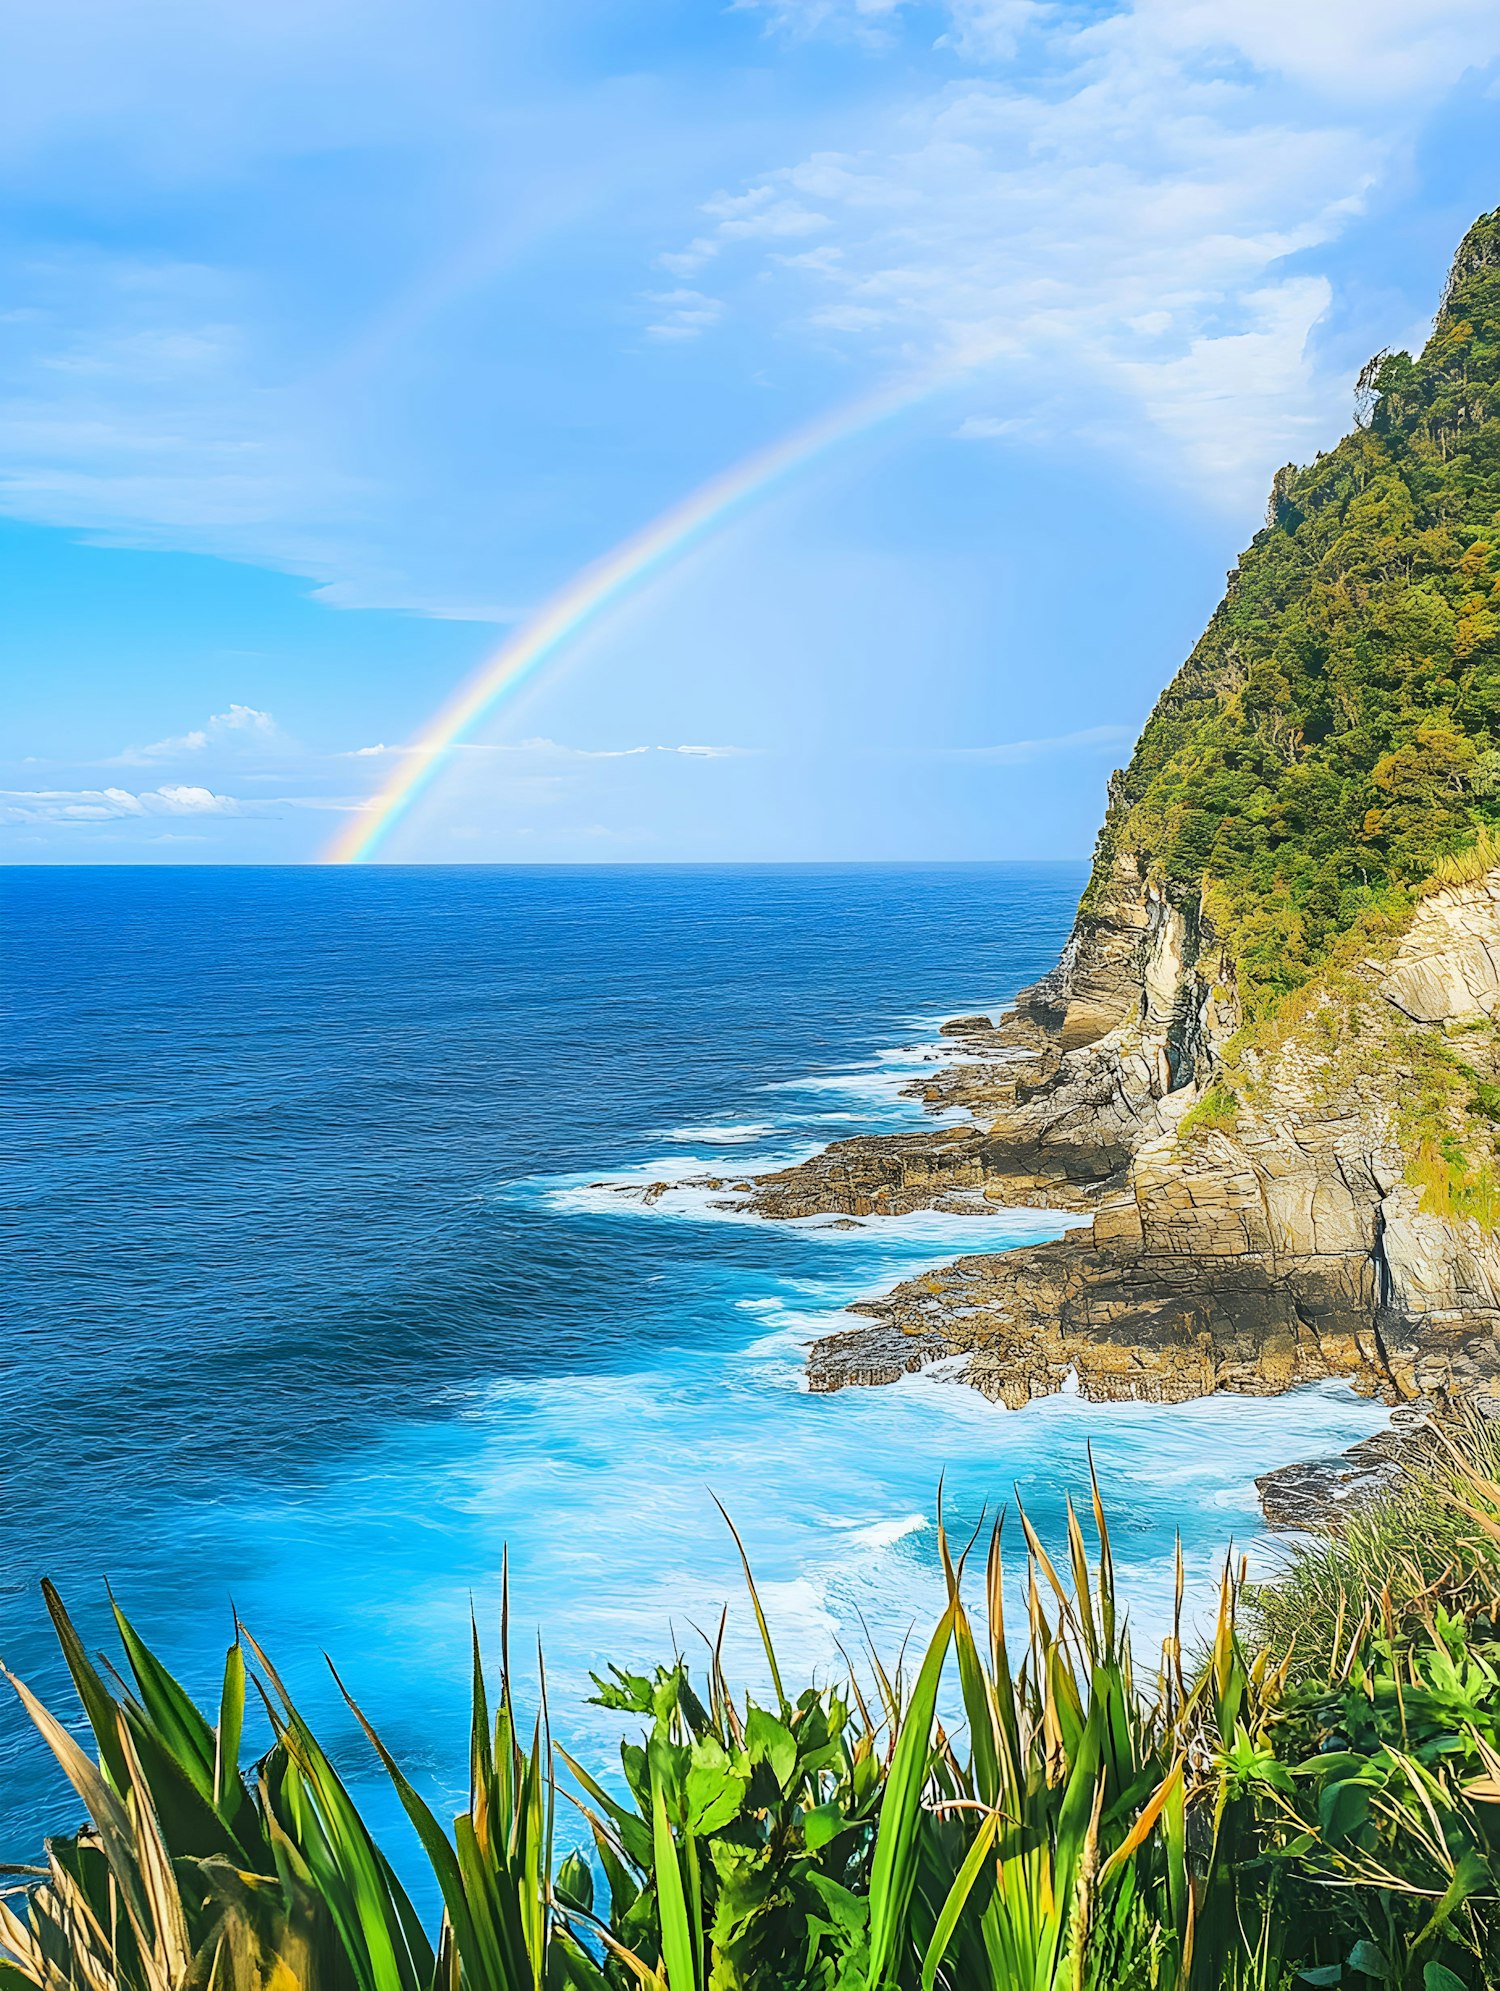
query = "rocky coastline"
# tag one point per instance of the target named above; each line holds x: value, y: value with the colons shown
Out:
x: 1265, y: 1073
x: 1246, y: 1249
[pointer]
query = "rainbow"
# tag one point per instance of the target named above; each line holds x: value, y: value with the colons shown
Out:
x: 646, y: 552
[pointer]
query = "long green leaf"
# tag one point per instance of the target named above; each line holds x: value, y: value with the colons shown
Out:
x: 958, y: 1895
x: 898, y: 1826
x: 671, y: 1902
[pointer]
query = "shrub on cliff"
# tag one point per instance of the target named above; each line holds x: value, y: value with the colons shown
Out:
x: 1335, y: 735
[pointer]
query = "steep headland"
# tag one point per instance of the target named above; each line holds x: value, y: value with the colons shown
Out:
x: 1266, y: 1069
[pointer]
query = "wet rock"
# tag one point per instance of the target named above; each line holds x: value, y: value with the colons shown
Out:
x: 1320, y: 1494
x: 870, y: 1356
x: 885, y: 1175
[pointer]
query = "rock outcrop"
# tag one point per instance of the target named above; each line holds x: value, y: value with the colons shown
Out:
x: 1244, y: 1237
x: 1449, y: 967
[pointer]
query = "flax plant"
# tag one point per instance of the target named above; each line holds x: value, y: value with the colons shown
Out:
x: 1012, y: 1812
x: 819, y: 1844
x: 195, y: 1873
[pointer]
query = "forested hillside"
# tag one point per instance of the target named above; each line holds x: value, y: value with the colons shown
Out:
x: 1336, y: 732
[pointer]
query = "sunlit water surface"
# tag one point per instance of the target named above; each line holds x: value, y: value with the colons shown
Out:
x: 316, y: 1303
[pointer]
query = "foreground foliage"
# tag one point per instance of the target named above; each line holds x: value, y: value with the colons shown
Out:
x: 1316, y: 1800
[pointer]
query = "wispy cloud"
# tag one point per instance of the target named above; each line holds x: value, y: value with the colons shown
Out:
x: 1010, y: 753
x: 239, y: 724
x: 550, y: 749
x: 1097, y: 231
x: 1091, y: 206
x: 103, y: 805
x: 682, y: 314
x: 1350, y: 50
x: 872, y: 24
x: 82, y: 806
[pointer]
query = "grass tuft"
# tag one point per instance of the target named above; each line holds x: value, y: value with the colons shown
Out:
x: 1217, y: 1112
x: 1432, y: 1539
x: 1467, y: 866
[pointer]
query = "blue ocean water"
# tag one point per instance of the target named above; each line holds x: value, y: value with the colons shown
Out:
x: 315, y: 1303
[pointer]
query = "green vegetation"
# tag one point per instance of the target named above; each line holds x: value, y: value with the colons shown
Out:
x: 1316, y: 1801
x: 1469, y: 865
x: 1429, y: 1542
x: 1333, y: 742
x: 1217, y: 1112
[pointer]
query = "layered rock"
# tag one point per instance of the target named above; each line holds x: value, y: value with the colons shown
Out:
x: 1243, y: 1242
x: 1448, y: 971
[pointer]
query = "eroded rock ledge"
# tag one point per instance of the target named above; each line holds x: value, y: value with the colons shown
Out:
x: 1247, y: 1247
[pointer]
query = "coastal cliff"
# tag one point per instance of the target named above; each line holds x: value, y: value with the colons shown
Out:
x: 1266, y: 1070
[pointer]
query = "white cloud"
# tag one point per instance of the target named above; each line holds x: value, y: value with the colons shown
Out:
x: 684, y: 314
x: 989, y: 428
x: 242, y: 723
x: 102, y: 805
x: 557, y: 749
x: 1011, y: 753
x: 1096, y: 234
x: 761, y: 214
x: 764, y: 214
x: 79, y: 807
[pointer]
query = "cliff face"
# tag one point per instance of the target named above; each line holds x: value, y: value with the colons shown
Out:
x: 1267, y: 1065
x: 1249, y: 1248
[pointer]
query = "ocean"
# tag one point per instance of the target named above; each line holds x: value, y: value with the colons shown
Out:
x: 331, y: 1279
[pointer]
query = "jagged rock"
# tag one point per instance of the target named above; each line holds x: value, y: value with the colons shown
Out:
x: 1319, y: 1493
x: 870, y: 1356
x: 886, y: 1174
x: 1322, y: 1493
x: 1127, y: 1324
x: 1096, y: 984
x: 1276, y: 1246
x: 1449, y: 965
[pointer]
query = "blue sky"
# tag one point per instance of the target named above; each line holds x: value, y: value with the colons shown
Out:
x: 335, y: 335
